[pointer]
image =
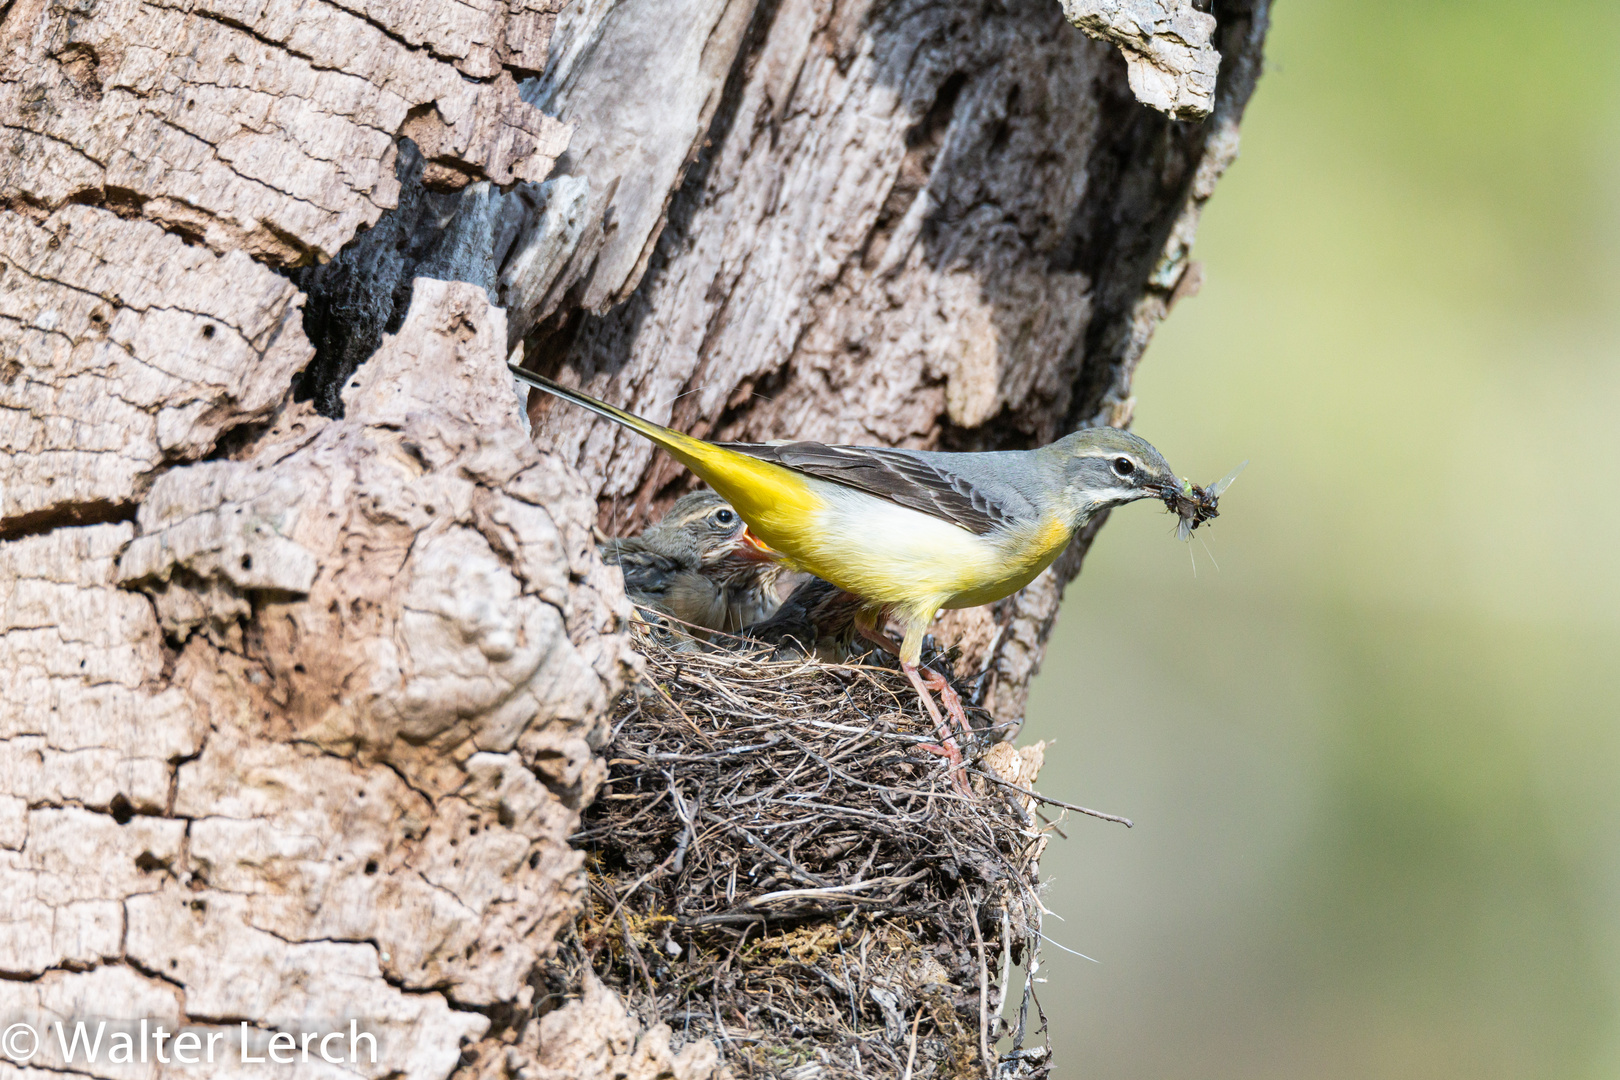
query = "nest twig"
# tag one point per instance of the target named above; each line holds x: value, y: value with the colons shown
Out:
x: 776, y: 864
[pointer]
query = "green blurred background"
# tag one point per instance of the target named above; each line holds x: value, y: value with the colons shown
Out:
x: 1374, y: 760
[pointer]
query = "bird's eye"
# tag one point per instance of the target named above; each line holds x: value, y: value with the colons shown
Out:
x: 1123, y: 466
x: 724, y: 517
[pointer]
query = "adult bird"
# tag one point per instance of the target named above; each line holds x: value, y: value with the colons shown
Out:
x: 911, y: 532
x: 698, y: 564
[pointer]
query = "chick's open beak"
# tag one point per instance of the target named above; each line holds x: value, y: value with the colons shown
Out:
x: 750, y: 546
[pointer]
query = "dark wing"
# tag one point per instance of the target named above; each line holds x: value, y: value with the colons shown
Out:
x: 910, y: 478
x: 647, y: 574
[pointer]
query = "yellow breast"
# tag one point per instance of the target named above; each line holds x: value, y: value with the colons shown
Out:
x: 869, y: 546
x: 892, y: 554
x: 1022, y: 557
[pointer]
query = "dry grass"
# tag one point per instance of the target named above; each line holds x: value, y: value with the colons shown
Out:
x: 775, y: 864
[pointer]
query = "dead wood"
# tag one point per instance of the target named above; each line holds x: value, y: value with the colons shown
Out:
x: 307, y: 661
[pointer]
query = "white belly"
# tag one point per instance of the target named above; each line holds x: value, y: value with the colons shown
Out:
x: 890, y: 553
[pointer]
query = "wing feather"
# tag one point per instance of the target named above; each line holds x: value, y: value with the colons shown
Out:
x: 905, y: 477
x: 647, y: 573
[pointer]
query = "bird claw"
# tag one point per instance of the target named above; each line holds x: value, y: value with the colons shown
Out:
x: 953, y: 754
x: 928, y: 682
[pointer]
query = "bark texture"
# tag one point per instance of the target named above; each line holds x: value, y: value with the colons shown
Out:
x: 122, y: 351
x: 1167, y: 49
x: 304, y: 742
x: 305, y: 649
x: 263, y: 128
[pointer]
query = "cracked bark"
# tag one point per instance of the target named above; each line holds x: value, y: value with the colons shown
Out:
x: 301, y: 687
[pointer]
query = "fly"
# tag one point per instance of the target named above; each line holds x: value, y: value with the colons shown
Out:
x: 1195, y: 505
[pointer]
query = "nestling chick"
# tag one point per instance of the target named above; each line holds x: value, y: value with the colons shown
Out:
x: 700, y: 565
x: 817, y: 619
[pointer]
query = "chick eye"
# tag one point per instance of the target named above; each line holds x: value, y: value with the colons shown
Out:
x: 724, y: 517
x: 1123, y: 466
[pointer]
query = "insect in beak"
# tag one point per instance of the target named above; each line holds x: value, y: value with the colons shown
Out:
x: 1196, y: 505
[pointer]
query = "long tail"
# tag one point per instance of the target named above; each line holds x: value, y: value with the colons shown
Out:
x: 668, y: 438
x: 772, y: 499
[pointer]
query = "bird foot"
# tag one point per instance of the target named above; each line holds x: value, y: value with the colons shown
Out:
x: 952, y: 754
x: 948, y: 747
x: 940, y: 685
x: 924, y: 680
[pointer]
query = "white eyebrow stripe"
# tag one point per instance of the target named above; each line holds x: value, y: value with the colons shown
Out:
x: 1133, y: 458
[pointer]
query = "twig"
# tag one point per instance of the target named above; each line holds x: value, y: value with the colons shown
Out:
x: 1006, y: 957
x: 783, y: 859
x: 1054, y: 826
x: 849, y: 986
x: 911, y: 1052
x: 984, y: 988
x: 835, y: 890
x: 671, y: 703
x: 635, y: 953
x: 1023, y: 815
x: 678, y: 862
x: 1125, y: 821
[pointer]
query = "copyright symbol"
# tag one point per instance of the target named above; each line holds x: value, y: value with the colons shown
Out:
x: 19, y: 1043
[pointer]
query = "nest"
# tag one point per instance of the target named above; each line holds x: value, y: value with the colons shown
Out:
x: 776, y: 864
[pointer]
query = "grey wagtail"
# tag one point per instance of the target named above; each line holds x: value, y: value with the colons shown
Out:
x: 912, y: 531
x: 698, y: 565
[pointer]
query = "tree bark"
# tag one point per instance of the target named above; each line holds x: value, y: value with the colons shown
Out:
x: 306, y: 649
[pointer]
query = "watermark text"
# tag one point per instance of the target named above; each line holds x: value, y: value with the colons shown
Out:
x: 100, y: 1042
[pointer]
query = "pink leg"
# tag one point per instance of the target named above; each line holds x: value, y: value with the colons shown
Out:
x: 923, y: 683
x: 948, y: 696
x: 947, y: 747
x: 877, y: 637
x: 952, y: 701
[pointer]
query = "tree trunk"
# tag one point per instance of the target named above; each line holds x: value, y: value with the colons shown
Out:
x: 307, y: 651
